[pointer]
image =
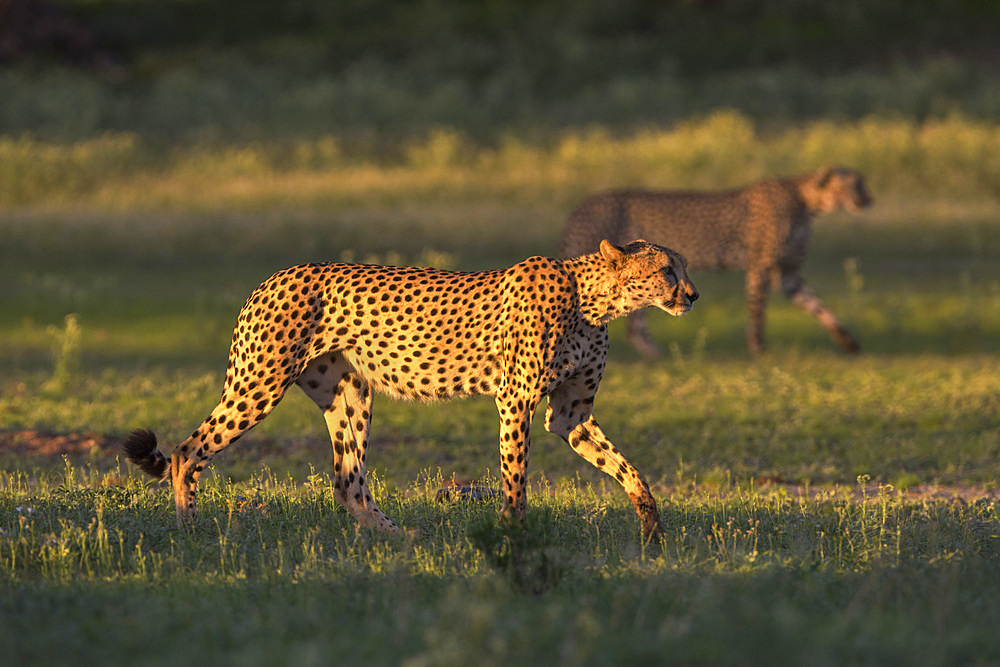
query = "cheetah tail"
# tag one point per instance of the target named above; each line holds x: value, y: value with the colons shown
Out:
x: 140, y: 447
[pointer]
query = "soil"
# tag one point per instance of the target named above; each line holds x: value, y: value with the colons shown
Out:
x: 41, y: 443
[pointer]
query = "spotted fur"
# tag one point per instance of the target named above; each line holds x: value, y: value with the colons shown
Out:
x: 344, y: 331
x: 762, y: 229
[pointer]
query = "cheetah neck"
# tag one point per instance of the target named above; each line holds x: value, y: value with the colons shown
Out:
x: 803, y: 192
x: 601, y: 298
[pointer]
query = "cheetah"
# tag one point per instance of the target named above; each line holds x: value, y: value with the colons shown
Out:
x: 342, y: 332
x: 762, y: 229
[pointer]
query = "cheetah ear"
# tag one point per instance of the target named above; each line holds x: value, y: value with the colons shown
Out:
x: 612, y: 254
x: 822, y: 175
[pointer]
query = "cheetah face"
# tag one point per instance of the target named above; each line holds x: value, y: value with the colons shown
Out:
x: 833, y: 188
x: 651, y: 275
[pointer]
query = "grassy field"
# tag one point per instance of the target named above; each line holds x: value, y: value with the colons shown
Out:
x: 92, y: 568
x: 809, y: 498
x: 819, y: 508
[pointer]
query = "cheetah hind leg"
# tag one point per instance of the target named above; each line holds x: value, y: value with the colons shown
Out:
x: 638, y: 335
x: 229, y: 420
x: 141, y: 449
x: 346, y: 401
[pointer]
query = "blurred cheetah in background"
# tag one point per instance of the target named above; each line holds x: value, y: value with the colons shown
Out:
x: 762, y: 229
x: 343, y: 331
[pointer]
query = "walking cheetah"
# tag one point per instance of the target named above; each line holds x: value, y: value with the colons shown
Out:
x: 343, y: 331
x: 762, y: 229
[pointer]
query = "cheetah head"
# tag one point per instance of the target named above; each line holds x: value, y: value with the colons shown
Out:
x: 832, y: 188
x: 650, y: 275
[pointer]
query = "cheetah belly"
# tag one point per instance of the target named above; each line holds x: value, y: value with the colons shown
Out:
x: 427, y: 364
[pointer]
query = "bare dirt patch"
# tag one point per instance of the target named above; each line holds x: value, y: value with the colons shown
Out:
x: 41, y: 443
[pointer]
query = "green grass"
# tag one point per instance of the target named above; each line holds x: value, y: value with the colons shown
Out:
x: 817, y: 420
x: 935, y: 159
x: 92, y: 565
x: 116, y: 319
x: 819, y: 509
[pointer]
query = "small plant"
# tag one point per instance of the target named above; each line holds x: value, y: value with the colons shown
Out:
x: 852, y: 271
x: 66, y: 353
x: 697, y: 349
x: 525, y: 553
x: 855, y: 285
x: 436, y: 259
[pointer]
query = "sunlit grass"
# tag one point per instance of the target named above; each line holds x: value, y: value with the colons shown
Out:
x: 815, y: 419
x: 838, y: 574
x: 79, y: 521
x: 949, y: 157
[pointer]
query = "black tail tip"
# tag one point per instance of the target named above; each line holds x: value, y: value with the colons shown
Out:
x: 139, y: 445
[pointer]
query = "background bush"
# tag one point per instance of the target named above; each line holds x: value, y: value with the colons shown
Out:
x: 375, y: 70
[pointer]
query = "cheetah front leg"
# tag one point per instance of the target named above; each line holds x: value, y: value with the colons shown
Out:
x: 758, y: 287
x: 346, y: 400
x: 795, y: 289
x: 569, y: 415
x: 638, y: 335
x: 515, y: 437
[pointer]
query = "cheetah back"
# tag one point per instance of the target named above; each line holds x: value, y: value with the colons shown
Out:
x: 412, y: 333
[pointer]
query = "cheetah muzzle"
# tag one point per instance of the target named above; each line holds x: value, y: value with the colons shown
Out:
x: 341, y: 332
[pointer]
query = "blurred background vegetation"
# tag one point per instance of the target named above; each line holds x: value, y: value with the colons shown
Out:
x: 126, y: 103
x: 372, y: 71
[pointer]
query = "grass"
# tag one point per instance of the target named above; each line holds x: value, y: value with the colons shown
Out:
x: 787, y: 485
x: 820, y: 421
x: 947, y: 158
x: 820, y: 579
x: 120, y: 319
x: 819, y: 509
